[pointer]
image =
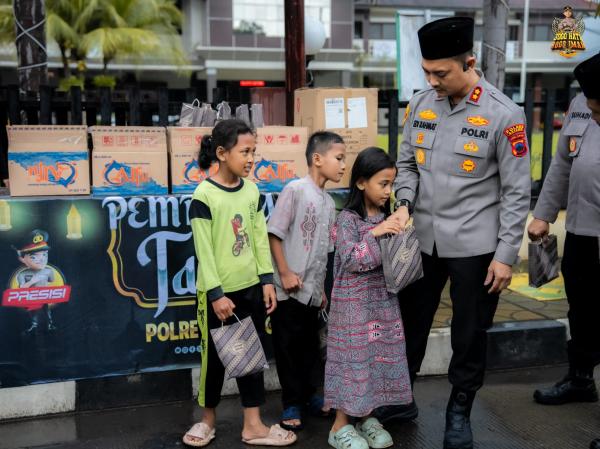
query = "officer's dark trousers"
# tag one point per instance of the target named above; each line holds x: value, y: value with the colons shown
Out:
x: 473, y: 312
x: 296, y: 345
x: 581, y: 270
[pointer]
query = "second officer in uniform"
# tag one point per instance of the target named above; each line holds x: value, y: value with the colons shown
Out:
x: 575, y: 170
x: 463, y: 168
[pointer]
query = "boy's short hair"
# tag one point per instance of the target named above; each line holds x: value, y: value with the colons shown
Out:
x: 320, y: 142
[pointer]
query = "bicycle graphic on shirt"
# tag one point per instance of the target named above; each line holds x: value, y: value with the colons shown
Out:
x: 241, y: 236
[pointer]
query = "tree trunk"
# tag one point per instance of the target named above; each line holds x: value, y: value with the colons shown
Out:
x: 31, y: 44
x: 493, y: 48
x: 65, y: 62
x: 295, y: 59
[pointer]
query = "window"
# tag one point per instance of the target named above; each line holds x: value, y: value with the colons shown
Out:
x: 382, y: 31
x: 540, y: 33
x: 358, y: 30
x: 388, y: 31
x: 266, y: 16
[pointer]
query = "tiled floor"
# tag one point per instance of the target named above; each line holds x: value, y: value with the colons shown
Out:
x: 512, y: 307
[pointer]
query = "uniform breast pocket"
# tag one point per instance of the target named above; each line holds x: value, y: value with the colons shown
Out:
x: 469, y: 158
x: 423, y: 139
x: 575, y: 133
x: 422, y: 142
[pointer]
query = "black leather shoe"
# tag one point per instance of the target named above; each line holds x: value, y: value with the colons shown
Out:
x: 575, y: 387
x: 595, y: 444
x: 401, y: 413
x: 458, y: 433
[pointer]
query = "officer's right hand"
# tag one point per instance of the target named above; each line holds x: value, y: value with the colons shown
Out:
x: 401, y: 216
x: 223, y: 308
x: 389, y: 226
x: 538, y: 229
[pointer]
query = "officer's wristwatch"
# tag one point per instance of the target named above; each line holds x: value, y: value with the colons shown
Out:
x: 400, y: 203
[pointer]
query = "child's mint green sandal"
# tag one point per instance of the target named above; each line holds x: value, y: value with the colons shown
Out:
x: 347, y: 438
x: 374, y: 433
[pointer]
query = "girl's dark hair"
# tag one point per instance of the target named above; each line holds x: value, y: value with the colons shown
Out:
x: 224, y: 134
x: 370, y: 161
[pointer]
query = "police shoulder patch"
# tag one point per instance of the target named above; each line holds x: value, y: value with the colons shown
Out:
x: 517, y: 139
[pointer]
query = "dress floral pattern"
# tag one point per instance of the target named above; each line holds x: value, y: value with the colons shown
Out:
x: 366, y: 356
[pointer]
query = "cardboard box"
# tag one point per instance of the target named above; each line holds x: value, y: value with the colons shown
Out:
x: 48, y: 160
x: 351, y: 113
x: 184, y: 145
x: 129, y: 160
x: 280, y: 156
x: 127, y: 139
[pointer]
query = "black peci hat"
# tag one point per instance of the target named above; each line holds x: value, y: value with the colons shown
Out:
x: 446, y: 38
x: 588, y: 75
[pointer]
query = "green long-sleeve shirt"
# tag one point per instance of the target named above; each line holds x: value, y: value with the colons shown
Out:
x: 230, y: 238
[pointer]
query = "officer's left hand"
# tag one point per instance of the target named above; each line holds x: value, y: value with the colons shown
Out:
x: 501, y: 274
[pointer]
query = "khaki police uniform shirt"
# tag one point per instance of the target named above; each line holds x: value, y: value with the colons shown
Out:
x: 466, y: 171
x: 575, y: 171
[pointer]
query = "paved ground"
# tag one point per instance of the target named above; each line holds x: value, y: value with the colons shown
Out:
x: 505, y: 417
x: 512, y: 307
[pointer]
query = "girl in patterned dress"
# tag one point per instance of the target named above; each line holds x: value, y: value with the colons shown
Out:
x: 366, y: 360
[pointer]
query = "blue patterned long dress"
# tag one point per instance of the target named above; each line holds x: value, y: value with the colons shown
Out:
x: 366, y: 356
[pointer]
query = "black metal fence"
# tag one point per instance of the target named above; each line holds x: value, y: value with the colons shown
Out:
x: 162, y: 106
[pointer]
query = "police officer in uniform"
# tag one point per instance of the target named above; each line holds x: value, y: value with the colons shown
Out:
x: 464, y: 172
x: 575, y: 170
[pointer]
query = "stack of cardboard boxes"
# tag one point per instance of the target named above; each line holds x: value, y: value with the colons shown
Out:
x: 133, y: 160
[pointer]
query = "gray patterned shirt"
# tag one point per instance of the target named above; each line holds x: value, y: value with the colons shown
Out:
x: 303, y: 217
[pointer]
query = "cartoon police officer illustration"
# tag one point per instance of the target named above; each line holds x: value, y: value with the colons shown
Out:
x: 33, y: 254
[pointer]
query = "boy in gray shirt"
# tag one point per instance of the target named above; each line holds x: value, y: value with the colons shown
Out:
x: 299, y: 234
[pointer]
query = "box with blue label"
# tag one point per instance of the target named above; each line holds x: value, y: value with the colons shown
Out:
x: 184, y: 145
x: 280, y: 156
x: 129, y: 160
x: 48, y: 160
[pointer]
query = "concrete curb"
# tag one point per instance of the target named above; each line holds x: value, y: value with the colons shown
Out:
x: 510, y: 345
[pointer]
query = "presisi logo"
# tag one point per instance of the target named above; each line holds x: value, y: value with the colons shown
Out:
x: 117, y: 174
x: 266, y: 170
x: 62, y: 173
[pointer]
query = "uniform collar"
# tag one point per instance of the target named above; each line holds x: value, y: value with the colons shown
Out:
x: 473, y: 97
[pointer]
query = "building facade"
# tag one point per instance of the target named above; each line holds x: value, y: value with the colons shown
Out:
x: 229, y: 41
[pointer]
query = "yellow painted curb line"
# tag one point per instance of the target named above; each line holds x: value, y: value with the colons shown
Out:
x: 553, y: 291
